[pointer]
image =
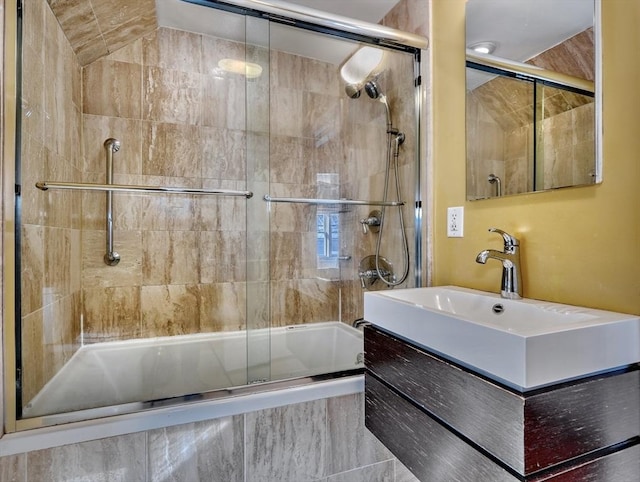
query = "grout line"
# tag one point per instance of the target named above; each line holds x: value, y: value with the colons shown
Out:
x: 244, y: 447
x: 364, y: 467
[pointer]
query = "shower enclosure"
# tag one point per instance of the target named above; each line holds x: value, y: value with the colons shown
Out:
x: 188, y: 217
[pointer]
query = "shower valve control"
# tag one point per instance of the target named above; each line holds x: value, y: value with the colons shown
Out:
x: 371, y: 222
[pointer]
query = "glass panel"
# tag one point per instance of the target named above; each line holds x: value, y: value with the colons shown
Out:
x: 95, y: 335
x: 326, y: 145
x: 500, y: 142
x: 566, y: 134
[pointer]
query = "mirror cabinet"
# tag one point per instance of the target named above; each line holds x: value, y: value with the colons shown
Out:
x: 531, y: 100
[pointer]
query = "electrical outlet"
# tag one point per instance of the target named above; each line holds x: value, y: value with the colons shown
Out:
x: 455, y: 222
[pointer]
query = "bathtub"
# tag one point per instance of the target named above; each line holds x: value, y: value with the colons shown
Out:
x: 128, y: 376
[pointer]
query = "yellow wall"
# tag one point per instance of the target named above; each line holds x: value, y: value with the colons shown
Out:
x: 579, y: 245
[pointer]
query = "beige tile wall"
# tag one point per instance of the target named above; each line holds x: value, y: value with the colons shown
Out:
x: 565, y: 152
x: 409, y: 16
x: 51, y: 222
x: 485, y: 149
x: 96, y: 28
x: 364, y: 173
x: 323, y: 440
x: 183, y: 258
x: 568, y: 149
x: 184, y: 137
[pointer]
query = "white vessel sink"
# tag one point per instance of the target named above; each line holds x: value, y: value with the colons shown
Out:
x: 522, y: 343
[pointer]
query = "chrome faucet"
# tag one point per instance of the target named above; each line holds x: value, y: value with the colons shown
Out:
x: 510, y: 258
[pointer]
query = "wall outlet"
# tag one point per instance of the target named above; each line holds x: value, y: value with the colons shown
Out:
x: 455, y: 222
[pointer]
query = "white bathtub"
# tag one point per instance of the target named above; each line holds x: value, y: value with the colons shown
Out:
x: 114, y: 374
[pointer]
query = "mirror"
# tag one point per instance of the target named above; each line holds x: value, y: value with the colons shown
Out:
x: 531, y: 100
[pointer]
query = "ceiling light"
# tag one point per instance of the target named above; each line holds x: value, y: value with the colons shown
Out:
x: 486, y: 47
x: 248, y: 69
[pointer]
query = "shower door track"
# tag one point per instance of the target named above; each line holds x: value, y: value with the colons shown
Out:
x: 321, y: 21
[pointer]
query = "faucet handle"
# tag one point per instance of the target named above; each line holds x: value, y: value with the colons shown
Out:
x: 509, y: 241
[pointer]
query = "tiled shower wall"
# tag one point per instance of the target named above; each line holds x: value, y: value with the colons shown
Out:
x: 96, y: 28
x: 51, y: 221
x: 180, y: 124
x: 182, y: 268
x: 364, y: 175
x: 566, y: 154
x: 317, y: 130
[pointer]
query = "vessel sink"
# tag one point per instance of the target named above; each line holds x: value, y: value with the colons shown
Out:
x: 524, y: 344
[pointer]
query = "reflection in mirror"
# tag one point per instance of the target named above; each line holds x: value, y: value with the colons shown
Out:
x: 531, y: 118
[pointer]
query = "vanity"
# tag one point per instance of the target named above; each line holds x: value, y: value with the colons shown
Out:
x: 462, y: 385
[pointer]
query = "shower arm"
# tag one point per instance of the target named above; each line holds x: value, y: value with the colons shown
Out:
x: 111, y: 258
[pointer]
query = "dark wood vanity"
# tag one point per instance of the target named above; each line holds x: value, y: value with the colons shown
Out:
x: 447, y: 423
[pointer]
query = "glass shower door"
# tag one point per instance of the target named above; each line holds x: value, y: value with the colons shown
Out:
x: 215, y: 287
x: 169, y: 319
x: 328, y: 164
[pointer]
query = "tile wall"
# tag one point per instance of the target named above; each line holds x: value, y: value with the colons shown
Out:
x: 566, y: 143
x: 323, y: 440
x: 182, y: 266
x: 97, y: 28
x: 485, y: 149
x: 180, y: 252
x: 365, y: 174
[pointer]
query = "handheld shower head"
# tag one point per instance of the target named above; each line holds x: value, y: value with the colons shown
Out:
x: 373, y: 91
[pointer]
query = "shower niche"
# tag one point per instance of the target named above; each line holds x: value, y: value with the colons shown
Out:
x: 236, y: 194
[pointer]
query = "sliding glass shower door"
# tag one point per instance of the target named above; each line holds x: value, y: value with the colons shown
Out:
x: 238, y: 178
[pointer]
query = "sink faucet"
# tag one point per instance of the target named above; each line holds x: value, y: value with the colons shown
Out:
x: 510, y: 258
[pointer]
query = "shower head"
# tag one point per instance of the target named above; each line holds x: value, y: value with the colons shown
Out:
x: 372, y: 90
x: 352, y: 90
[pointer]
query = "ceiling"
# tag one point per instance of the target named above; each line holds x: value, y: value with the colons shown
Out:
x: 366, y: 10
x: 523, y: 29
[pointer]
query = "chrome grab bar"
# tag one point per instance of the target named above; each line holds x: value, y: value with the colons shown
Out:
x: 299, y: 200
x: 85, y: 186
x: 111, y: 257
